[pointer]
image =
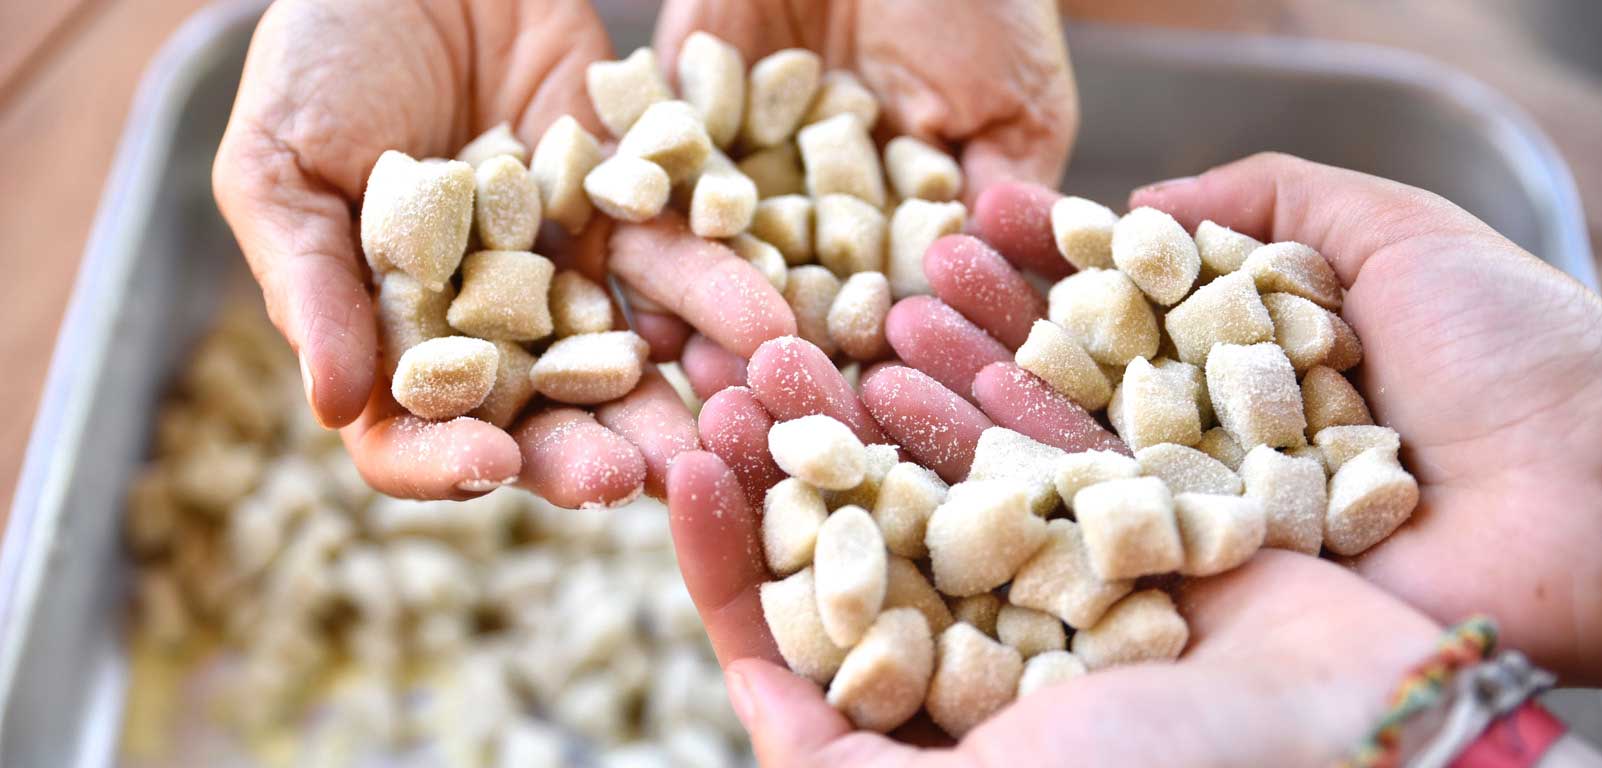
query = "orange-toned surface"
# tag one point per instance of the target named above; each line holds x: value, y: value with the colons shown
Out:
x: 68, y: 70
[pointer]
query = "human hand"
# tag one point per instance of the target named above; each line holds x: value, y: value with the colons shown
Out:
x: 1489, y: 364
x: 1264, y: 682
x: 1008, y: 100
x: 326, y: 89
x: 1451, y: 314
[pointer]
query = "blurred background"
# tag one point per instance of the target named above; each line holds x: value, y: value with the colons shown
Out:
x: 69, y: 71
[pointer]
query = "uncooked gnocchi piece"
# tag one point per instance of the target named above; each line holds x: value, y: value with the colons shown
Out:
x: 578, y: 305
x: 856, y: 318
x: 820, y: 450
x: 712, y: 79
x: 1129, y: 528
x: 1255, y: 395
x: 764, y: 257
x: 1291, y: 491
x: 839, y: 93
x: 495, y: 142
x: 669, y: 134
x: 409, y: 314
x: 1048, y: 669
x: 850, y: 573
x: 779, y: 88
x: 1224, y: 311
x: 1142, y: 627
x: 884, y: 678
x: 791, y: 609
x: 506, y: 205
x: 1219, y: 532
x: 628, y: 188
x: 839, y: 159
x: 849, y: 236
x: 980, y: 535
x: 1107, y: 313
x: 908, y: 496
x: 775, y: 170
x: 1296, y: 269
x: 914, y: 226
x: 564, y: 157
x: 1156, y: 253
x: 1186, y: 470
x: 505, y: 296
x: 810, y: 290
x: 1155, y: 405
x: 512, y: 389
x: 792, y: 512
x: 590, y: 368
x: 974, y: 677
x: 1059, y: 360
x: 445, y: 377
x: 1370, y: 496
x: 1223, y: 250
x: 1030, y: 632
x: 1018, y: 461
x: 919, y: 170
x: 1059, y: 579
x: 416, y: 217
x: 621, y: 91
x: 1083, y: 231
x: 785, y: 222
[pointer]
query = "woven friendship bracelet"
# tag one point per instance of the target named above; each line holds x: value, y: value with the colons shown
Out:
x: 1422, y: 688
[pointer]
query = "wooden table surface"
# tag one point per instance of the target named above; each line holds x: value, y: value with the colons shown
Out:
x: 68, y: 69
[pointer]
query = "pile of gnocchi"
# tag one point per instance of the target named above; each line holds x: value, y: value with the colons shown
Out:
x: 342, y: 625
x: 1218, y: 361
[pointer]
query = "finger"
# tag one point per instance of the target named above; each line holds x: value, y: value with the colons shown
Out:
x: 756, y: 27
x: 296, y: 235
x: 1018, y: 400
x: 1032, y: 149
x: 973, y: 279
x: 575, y: 462
x: 793, y: 378
x: 734, y: 426
x: 538, y: 52
x: 719, y: 545
x: 654, y: 418
x: 792, y: 725
x: 412, y: 458
x: 932, y: 337
x: 939, y: 429
x: 1346, y: 215
x: 664, y: 334
x: 1015, y: 219
x: 711, y: 368
x: 703, y: 282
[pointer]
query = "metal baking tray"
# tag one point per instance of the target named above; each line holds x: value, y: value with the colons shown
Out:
x: 1157, y: 104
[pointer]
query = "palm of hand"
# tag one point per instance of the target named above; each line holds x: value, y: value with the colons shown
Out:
x: 1486, y: 362
x: 313, y: 114
x: 1012, y: 105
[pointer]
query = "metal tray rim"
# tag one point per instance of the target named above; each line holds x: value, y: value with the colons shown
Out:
x: 79, y: 353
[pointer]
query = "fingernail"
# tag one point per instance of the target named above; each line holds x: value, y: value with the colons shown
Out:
x: 741, y: 699
x: 479, y: 485
x: 1166, y: 184
x: 307, y: 382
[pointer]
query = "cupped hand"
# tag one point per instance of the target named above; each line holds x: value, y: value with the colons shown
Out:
x: 326, y: 89
x: 990, y: 78
x: 1264, y: 682
x: 1487, y: 361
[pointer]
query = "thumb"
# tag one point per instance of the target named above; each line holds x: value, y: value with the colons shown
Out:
x: 1346, y: 215
x: 296, y: 234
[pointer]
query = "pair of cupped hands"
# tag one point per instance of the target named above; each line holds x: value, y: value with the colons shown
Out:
x: 1487, y: 361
